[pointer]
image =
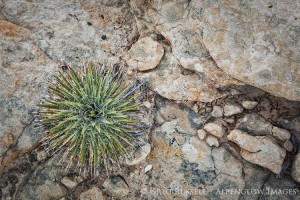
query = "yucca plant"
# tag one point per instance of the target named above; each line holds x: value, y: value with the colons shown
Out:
x: 90, y: 117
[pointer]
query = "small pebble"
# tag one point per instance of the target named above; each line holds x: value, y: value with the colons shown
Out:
x: 41, y: 155
x: 129, y: 72
x: 201, y: 134
x: 232, y: 109
x: 159, y: 119
x: 147, y: 104
x: 281, y: 134
x: 69, y: 183
x: 217, y: 111
x: 78, y: 179
x: 195, y: 108
x: 148, y: 168
x: 249, y: 104
x: 212, y: 141
x: 215, y: 128
x: 8, y: 139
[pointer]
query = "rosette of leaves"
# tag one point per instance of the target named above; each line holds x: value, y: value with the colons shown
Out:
x: 90, y: 117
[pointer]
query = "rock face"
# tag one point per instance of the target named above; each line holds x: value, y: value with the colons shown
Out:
x: 255, y: 42
x: 24, y: 70
x: 34, y: 42
x: 226, y: 163
x: 145, y: 54
x: 288, y: 145
x: 195, y: 57
x: 86, y: 30
x: 44, y: 183
x: 259, y: 150
x: 174, y: 21
x: 240, y: 37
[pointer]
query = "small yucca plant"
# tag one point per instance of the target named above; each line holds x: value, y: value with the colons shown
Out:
x: 89, y: 116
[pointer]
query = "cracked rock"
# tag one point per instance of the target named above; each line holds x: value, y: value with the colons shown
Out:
x: 179, y: 117
x: 259, y: 150
x: 169, y: 81
x: 197, y: 151
x: 226, y: 163
x: 23, y: 85
x: 145, y: 54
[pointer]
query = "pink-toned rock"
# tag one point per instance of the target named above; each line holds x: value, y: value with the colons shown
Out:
x: 25, y: 69
x: 232, y: 109
x: 215, y: 129
x: 259, y: 150
x: 168, y: 81
x: 249, y: 104
x: 244, y: 140
x: 281, y: 134
x: 145, y: 54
